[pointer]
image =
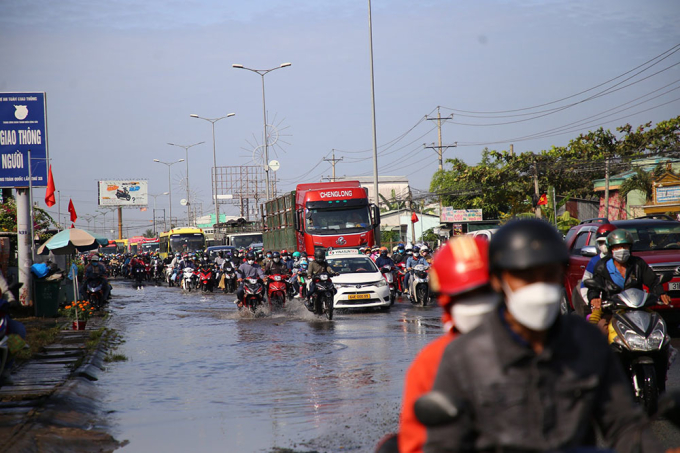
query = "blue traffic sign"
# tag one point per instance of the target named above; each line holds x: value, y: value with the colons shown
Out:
x: 23, y: 127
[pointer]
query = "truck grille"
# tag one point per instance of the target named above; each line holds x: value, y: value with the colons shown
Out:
x: 666, y: 267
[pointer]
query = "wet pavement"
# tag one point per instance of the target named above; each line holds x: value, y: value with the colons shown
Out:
x: 204, y: 377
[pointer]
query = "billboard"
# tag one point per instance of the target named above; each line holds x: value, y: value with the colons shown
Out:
x: 461, y: 215
x: 123, y: 192
x: 23, y: 127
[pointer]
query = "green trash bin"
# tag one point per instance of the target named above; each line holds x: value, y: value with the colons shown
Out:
x: 46, y: 296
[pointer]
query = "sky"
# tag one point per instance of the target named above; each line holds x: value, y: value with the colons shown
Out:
x: 122, y: 78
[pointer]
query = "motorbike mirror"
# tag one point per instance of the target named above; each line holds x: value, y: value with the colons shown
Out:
x: 591, y: 283
x: 308, y: 215
x: 434, y: 409
x: 669, y: 407
x: 665, y: 277
x: 589, y: 250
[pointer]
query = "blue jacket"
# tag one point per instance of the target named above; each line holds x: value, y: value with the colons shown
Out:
x: 384, y: 261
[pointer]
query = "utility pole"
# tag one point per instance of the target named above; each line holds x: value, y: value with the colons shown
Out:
x: 440, y: 149
x: 333, y: 161
x: 606, y: 187
x: 536, y: 192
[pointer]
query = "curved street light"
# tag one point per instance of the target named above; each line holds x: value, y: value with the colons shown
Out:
x: 262, y: 73
x: 169, y: 164
x: 217, y: 208
x: 186, y: 150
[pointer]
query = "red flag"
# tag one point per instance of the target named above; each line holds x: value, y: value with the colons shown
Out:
x: 414, y: 217
x: 73, y: 226
x: 72, y: 210
x: 49, y: 193
x: 543, y: 200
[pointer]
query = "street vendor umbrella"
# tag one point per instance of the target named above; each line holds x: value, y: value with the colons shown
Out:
x: 72, y: 240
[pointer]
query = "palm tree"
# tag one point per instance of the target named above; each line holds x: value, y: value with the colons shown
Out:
x: 641, y: 180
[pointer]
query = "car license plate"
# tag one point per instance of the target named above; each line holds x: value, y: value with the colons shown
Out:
x: 358, y: 296
x: 674, y: 286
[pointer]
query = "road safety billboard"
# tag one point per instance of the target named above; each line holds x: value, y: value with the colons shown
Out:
x: 23, y: 127
x: 123, y: 192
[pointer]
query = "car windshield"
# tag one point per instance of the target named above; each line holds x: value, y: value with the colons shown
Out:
x: 187, y: 242
x: 655, y: 237
x: 246, y: 240
x: 337, y: 221
x: 352, y: 265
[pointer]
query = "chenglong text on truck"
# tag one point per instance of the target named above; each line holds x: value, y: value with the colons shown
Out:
x: 321, y: 215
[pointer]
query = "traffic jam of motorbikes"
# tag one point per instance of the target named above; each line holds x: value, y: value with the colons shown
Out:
x: 519, y: 366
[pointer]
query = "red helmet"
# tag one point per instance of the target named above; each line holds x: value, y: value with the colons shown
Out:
x: 604, y: 230
x: 460, y: 266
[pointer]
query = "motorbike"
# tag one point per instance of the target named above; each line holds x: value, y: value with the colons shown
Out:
x: 123, y: 194
x: 94, y: 289
x: 419, y: 290
x: 157, y: 271
x: 388, y: 273
x: 229, y: 278
x: 399, y: 277
x: 302, y: 282
x: 205, y: 279
x: 640, y: 338
x: 322, y: 299
x: 139, y: 274
x: 4, y: 327
x: 253, y: 293
x: 276, y: 291
x: 189, y: 278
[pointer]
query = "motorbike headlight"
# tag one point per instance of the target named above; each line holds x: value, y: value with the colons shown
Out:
x: 380, y: 283
x: 635, y: 341
x: 656, y: 339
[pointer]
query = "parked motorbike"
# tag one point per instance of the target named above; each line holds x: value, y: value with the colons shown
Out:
x: 322, y: 299
x: 253, y: 294
x: 640, y: 338
x: 94, y: 289
x: 388, y: 273
x: 276, y: 291
x: 419, y: 290
x: 205, y: 279
x: 189, y: 278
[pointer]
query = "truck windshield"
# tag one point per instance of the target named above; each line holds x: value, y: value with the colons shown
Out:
x: 191, y: 242
x: 245, y: 240
x: 655, y: 237
x: 338, y: 221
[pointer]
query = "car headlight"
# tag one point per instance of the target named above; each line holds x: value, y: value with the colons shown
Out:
x: 380, y: 283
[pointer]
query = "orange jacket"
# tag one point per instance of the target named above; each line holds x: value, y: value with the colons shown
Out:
x: 419, y: 380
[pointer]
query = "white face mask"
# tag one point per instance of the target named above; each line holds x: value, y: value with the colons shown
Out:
x: 621, y: 255
x: 468, y: 313
x: 276, y: 260
x: 603, y: 249
x: 535, y: 306
x: 251, y: 262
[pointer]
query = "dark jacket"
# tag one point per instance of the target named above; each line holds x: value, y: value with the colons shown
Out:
x: 316, y: 268
x: 638, y: 273
x: 514, y: 399
x: 276, y: 268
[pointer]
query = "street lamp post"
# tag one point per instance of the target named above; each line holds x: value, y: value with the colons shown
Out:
x: 169, y: 164
x: 262, y: 73
x: 186, y: 151
x: 154, y: 208
x: 217, y: 205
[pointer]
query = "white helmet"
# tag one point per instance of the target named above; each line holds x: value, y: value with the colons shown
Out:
x: 409, y: 246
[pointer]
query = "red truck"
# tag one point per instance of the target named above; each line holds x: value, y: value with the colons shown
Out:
x: 327, y: 215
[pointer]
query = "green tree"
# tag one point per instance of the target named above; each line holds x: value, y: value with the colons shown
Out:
x: 641, y: 180
x: 149, y: 233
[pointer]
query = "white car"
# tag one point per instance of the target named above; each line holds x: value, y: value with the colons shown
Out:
x: 360, y: 283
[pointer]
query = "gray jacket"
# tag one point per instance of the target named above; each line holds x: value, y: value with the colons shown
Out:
x: 513, y: 399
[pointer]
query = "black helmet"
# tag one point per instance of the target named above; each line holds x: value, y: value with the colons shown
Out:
x: 523, y: 244
x: 319, y: 255
x: 250, y: 256
x: 276, y: 255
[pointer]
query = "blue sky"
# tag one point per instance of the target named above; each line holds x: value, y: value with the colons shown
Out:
x: 122, y: 78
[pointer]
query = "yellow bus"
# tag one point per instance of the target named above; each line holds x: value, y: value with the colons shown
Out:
x: 121, y: 245
x: 181, y: 240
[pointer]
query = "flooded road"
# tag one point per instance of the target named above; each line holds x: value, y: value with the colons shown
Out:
x: 201, y: 376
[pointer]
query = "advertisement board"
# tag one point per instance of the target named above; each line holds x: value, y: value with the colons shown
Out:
x: 23, y: 127
x: 669, y: 194
x: 461, y: 215
x: 123, y: 192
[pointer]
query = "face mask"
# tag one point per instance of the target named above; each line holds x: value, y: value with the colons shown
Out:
x: 269, y: 256
x: 276, y: 260
x: 621, y: 255
x: 535, y: 306
x: 251, y: 262
x: 468, y: 313
x: 603, y: 249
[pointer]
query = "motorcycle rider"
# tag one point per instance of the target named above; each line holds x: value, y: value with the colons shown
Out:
x: 460, y: 279
x: 400, y: 254
x: 316, y: 267
x: 276, y: 266
x: 383, y: 259
x: 582, y: 307
x: 527, y: 378
x: 168, y: 261
x: 13, y: 328
x: 413, y: 261
x: 249, y: 269
x: 93, y: 271
x: 624, y: 271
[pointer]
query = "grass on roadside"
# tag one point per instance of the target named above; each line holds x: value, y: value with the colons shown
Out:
x: 37, y: 339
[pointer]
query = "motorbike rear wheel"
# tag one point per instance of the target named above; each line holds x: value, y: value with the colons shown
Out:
x: 646, y: 377
x: 421, y: 295
x: 328, y: 303
x: 318, y: 305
